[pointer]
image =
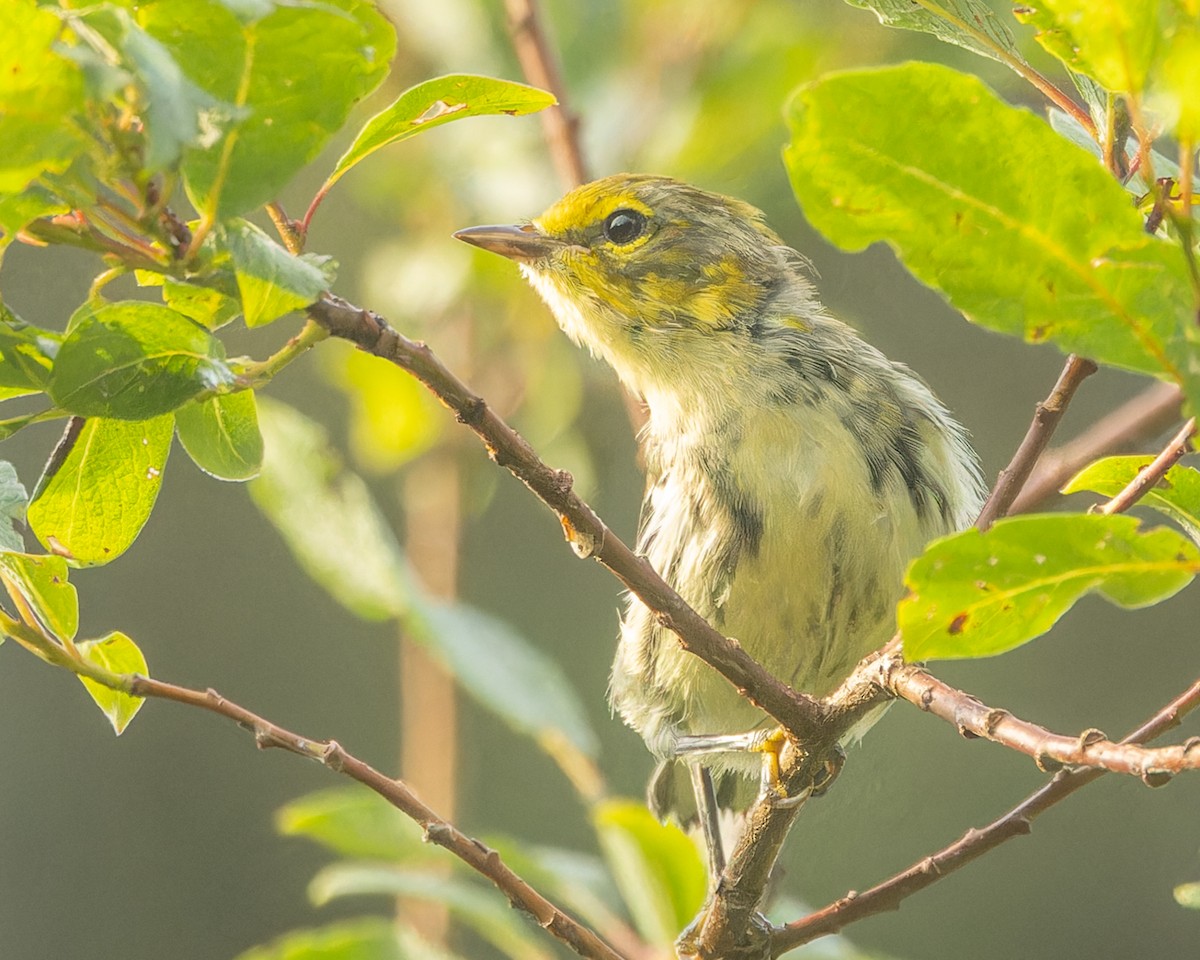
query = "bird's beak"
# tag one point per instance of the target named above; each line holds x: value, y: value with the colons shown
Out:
x: 523, y: 244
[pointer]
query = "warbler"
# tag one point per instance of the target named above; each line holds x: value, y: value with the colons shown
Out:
x: 793, y: 470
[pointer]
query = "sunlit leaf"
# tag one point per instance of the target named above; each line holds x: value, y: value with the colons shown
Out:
x: 99, y: 488
x: 435, y: 102
x: 507, y: 674
x: 370, y: 938
x: 284, y: 78
x: 328, y: 517
x: 1022, y: 231
x: 1188, y: 895
x: 13, y: 500
x: 658, y: 869
x: 484, y: 910
x: 41, y: 582
x: 967, y: 23
x: 221, y: 435
x: 26, y: 353
x: 1177, y: 494
x: 271, y: 281
x: 976, y: 594
x: 118, y: 654
x: 133, y: 360
x: 354, y: 822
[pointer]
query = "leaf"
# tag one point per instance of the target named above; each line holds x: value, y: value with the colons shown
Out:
x: 967, y: 23
x: 41, y: 581
x: 1177, y: 494
x: 370, y: 938
x: 134, y: 360
x: 208, y: 307
x: 99, y: 488
x: 1022, y: 231
x: 1188, y: 895
x: 354, y: 822
x: 286, y: 77
x: 13, y: 500
x: 271, y: 281
x: 328, y: 518
x: 506, y: 674
x: 221, y: 435
x: 484, y: 911
x: 657, y: 867
x: 977, y: 594
x: 26, y: 353
x: 118, y: 654
x: 435, y: 102
x: 41, y: 94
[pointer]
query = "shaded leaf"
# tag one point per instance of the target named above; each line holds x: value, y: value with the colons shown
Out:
x: 507, y: 674
x: 976, y: 594
x: 284, y: 77
x: 134, y: 360
x: 13, y: 500
x: 328, y: 517
x: 119, y: 654
x: 967, y: 23
x: 271, y: 281
x: 482, y: 909
x: 99, y: 488
x: 370, y: 938
x: 658, y: 869
x: 1023, y: 232
x: 435, y: 102
x: 1177, y: 494
x: 354, y: 822
x: 41, y: 581
x: 26, y: 353
x: 221, y: 435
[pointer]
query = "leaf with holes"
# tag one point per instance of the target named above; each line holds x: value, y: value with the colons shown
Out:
x: 40, y: 583
x: 977, y: 594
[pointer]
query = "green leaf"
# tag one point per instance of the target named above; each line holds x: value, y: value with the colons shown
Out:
x: 370, y: 938
x: 99, y: 487
x: 658, y: 869
x: 328, y: 517
x: 506, y: 674
x: 967, y: 23
x: 42, y: 583
x: 133, y: 360
x: 41, y: 95
x: 354, y: 822
x: 287, y: 77
x: 435, y: 102
x: 483, y: 910
x: 1177, y: 494
x: 977, y: 594
x: 221, y: 435
x: 1022, y: 231
x: 118, y: 654
x: 208, y: 307
x: 1188, y: 895
x: 271, y: 281
x: 26, y: 353
x: 13, y: 500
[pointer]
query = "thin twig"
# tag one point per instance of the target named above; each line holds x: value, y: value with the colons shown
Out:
x: 973, y: 844
x: 1153, y: 472
x: 1148, y: 414
x: 538, y: 64
x: 475, y: 854
x: 1046, y: 418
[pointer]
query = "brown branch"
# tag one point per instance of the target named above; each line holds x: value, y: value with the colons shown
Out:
x: 973, y: 844
x: 472, y: 852
x: 559, y: 124
x: 802, y: 716
x: 1153, y: 472
x: 1146, y: 415
x: 1046, y: 417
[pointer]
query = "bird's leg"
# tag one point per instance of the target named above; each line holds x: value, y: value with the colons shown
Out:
x: 706, y: 811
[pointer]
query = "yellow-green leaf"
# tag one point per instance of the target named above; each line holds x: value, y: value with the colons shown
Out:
x: 118, y: 654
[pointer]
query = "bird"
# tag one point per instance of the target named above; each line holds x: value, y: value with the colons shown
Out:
x: 793, y: 470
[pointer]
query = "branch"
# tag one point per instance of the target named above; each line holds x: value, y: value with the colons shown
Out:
x: 1046, y: 417
x: 1153, y: 472
x: 973, y: 844
x: 800, y: 715
x: 1148, y: 414
x: 559, y: 124
x: 472, y: 852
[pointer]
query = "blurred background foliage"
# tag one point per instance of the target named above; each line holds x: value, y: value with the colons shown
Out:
x: 164, y: 842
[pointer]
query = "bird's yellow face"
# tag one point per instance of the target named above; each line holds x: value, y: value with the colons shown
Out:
x: 643, y: 269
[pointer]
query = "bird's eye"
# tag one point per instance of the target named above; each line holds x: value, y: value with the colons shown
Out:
x: 624, y: 226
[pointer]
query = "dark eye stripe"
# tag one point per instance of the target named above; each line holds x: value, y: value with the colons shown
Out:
x: 624, y: 226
